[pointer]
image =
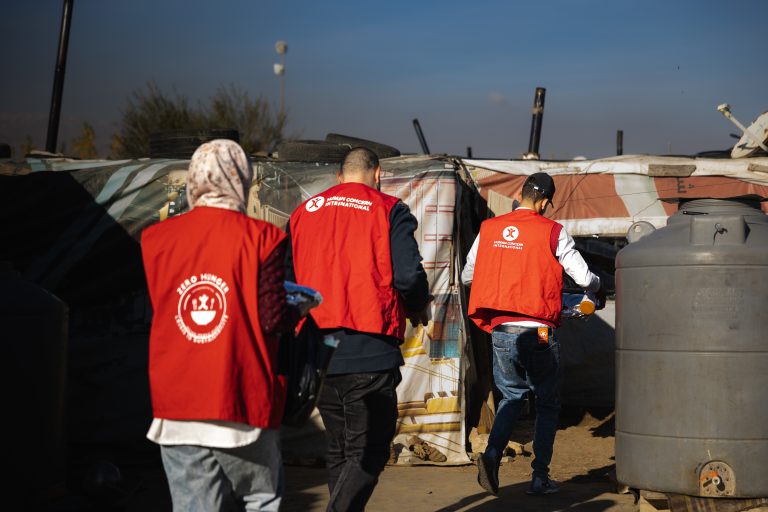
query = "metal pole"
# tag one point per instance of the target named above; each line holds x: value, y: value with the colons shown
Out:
x: 281, y: 48
x: 536, y: 121
x: 58, y: 77
x: 420, y: 135
x: 620, y: 142
x: 282, y: 86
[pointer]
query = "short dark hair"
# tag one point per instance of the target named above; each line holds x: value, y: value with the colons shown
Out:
x: 359, y: 160
x: 531, y: 192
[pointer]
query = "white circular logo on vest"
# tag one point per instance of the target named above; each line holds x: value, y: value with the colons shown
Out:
x: 510, y: 233
x: 202, y: 309
x: 315, y: 203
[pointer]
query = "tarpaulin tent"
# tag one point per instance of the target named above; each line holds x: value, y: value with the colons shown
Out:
x: 74, y: 227
x: 75, y: 230
x: 597, y: 201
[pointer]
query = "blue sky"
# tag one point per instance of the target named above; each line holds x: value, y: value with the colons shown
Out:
x: 467, y: 70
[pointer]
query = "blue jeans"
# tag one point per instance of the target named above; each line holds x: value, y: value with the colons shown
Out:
x: 205, y: 479
x: 520, y: 364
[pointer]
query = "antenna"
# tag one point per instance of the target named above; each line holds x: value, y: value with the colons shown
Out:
x: 743, y: 147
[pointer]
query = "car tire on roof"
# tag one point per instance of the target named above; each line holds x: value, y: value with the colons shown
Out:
x: 183, y: 143
x: 381, y: 150
x: 311, y: 151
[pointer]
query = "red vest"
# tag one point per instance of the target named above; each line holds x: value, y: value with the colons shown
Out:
x: 340, y: 242
x: 208, y: 359
x: 516, y: 271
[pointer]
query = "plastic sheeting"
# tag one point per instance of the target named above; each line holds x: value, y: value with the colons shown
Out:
x: 87, y: 217
x: 74, y: 227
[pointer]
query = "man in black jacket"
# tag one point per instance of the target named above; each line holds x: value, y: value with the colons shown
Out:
x: 335, y: 238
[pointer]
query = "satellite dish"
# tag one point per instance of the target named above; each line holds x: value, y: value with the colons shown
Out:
x: 747, y: 145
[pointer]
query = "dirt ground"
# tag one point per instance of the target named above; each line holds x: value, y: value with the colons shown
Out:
x: 582, y: 464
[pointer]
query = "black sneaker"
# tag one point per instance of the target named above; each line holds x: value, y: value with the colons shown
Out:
x: 540, y: 486
x: 488, y: 474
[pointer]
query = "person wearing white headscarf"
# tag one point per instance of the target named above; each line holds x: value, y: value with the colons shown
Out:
x: 215, y: 278
x: 219, y: 176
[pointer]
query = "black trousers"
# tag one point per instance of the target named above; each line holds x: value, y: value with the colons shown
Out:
x: 359, y: 411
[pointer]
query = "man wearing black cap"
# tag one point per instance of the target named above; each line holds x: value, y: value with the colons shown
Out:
x: 515, y: 267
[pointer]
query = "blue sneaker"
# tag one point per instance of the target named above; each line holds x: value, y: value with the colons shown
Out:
x: 540, y: 486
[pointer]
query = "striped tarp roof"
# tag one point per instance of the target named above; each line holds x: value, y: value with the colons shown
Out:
x: 604, y: 197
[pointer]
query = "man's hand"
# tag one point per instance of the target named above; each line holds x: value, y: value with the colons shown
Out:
x: 600, y: 295
x: 421, y: 317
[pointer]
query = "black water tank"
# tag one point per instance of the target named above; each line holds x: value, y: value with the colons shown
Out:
x: 692, y: 353
x: 34, y: 326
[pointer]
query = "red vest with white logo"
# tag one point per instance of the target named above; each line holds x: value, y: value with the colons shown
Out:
x: 340, y: 243
x: 516, y: 271
x: 208, y: 359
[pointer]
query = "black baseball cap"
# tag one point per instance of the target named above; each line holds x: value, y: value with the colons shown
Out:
x: 544, y: 183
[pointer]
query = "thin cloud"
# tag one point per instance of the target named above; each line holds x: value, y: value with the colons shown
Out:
x: 497, y: 98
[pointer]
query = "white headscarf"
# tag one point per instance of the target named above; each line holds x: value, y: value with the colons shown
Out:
x: 219, y: 176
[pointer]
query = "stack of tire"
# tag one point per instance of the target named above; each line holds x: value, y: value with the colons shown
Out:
x: 182, y: 143
x: 333, y: 149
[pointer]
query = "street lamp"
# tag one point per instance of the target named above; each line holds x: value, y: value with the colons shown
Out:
x: 281, y: 48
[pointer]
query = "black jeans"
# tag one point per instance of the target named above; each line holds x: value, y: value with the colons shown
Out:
x: 359, y: 411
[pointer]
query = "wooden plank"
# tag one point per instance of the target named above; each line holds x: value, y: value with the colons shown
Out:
x: 664, y: 170
x: 752, y: 167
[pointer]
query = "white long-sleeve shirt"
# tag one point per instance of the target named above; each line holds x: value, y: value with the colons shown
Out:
x: 571, y: 260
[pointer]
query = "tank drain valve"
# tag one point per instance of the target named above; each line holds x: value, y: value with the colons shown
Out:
x: 716, y: 478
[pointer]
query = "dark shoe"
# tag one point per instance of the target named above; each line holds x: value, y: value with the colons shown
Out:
x: 488, y: 474
x: 540, y: 486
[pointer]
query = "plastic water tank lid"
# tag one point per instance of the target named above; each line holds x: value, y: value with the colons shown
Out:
x: 638, y: 230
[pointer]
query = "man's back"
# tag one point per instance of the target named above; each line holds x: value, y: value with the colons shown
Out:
x: 355, y: 245
x: 341, y: 247
x: 516, y: 269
